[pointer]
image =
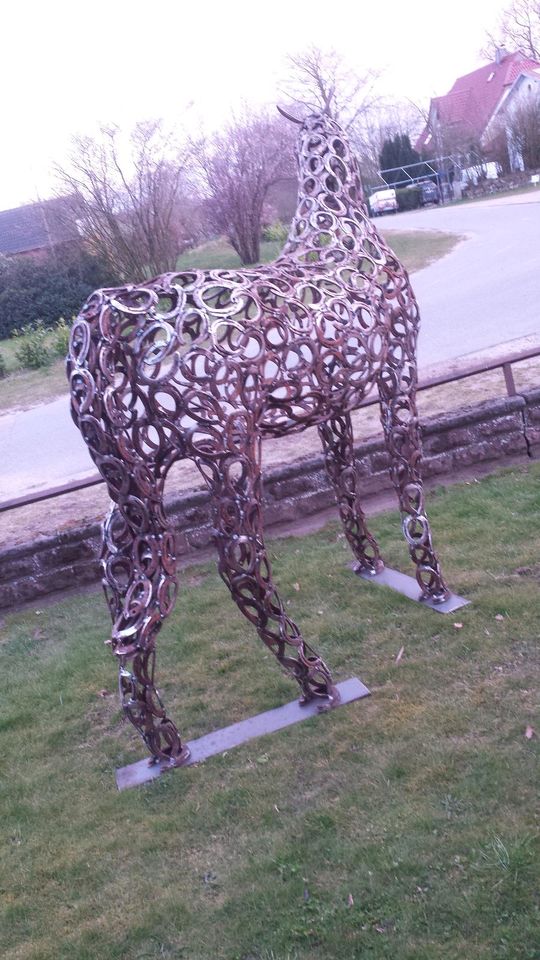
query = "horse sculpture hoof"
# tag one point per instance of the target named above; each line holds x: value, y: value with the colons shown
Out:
x: 369, y: 569
x: 170, y: 763
x: 440, y: 597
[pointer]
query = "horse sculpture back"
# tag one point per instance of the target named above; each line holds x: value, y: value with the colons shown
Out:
x: 204, y: 364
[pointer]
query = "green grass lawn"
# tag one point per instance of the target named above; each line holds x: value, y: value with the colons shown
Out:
x: 511, y: 192
x: 414, y: 247
x: 25, y: 388
x: 404, y: 826
x: 220, y: 255
x: 417, y: 249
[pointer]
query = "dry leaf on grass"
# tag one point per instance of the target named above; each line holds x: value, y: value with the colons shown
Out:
x: 350, y: 900
x: 530, y: 732
x: 296, y: 586
x: 499, y: 616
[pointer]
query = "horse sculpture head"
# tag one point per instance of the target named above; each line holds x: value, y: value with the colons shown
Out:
x: 331, y: 217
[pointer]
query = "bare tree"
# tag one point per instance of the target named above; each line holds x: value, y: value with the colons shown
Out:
x: 132, y: 201
x: 518, y: 29
x: 523, y: 132
x: 238, y: 166
x: 323, y: 81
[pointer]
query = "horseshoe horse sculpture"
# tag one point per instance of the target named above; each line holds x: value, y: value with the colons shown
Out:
x: 204, y: 364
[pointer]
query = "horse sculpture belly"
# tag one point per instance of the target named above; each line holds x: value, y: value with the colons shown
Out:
x: 202, y: 364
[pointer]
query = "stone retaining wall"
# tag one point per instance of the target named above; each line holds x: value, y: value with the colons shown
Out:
x: 488, y: 432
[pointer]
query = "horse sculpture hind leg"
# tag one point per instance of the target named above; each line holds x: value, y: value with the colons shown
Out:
x: 138, y: 560
x: 138, y: 556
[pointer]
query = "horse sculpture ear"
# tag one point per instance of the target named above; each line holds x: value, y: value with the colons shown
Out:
x: 287, y: 115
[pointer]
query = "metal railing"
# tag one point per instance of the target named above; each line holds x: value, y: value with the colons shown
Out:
x: 505, y: 363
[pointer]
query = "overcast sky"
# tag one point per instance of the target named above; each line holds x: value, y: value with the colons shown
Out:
x: 65, y: 67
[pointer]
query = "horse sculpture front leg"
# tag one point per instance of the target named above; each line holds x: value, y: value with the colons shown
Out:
x: 397, y: 392
x: 235, y: 482
x: 338, y: 446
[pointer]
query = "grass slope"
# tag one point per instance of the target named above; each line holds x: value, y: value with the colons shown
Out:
x: 403, y: 826
x: 416, y: 248
x: 25, y: 388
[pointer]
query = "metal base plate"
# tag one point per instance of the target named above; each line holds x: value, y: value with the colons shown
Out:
x: 408, y: 586
x: 237, y: 733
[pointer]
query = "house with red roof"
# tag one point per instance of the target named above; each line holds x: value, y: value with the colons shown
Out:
x: 466, y: 117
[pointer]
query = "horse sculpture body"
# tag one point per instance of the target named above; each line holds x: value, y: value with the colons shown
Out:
x: 204, y: 364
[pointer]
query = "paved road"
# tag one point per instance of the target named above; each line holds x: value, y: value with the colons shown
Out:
x: 486, y: 292
x: 40, y: 447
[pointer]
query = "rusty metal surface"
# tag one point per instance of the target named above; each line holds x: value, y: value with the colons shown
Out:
x: 229, y: 737
x: 203, y: 364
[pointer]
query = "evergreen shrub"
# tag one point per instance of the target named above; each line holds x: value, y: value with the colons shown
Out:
x: 33, y: 350
x: 48, y: 289
x: 410, y: 198
x: 60, y: 338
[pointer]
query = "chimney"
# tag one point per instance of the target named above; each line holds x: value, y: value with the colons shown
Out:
x: 500, y: 54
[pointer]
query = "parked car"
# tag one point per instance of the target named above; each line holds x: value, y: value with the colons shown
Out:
x: 383, y: 201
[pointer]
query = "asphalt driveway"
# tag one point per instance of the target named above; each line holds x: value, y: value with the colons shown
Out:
x: 487, y: 290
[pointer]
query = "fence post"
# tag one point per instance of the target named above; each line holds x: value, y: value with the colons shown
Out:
x: 509, y: 379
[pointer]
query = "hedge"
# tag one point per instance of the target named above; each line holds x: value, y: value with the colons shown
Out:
x: 32, y: 289
x: 409, y: 198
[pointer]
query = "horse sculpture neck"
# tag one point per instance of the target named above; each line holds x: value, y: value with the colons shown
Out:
x: 331, y: 222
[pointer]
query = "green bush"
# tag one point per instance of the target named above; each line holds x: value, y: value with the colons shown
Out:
x: 275, y: 232
x: 34, y: 350
x: 409, y: 198
x: 60, y: 337
x: 50, y: 288
x: 3, y: 367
